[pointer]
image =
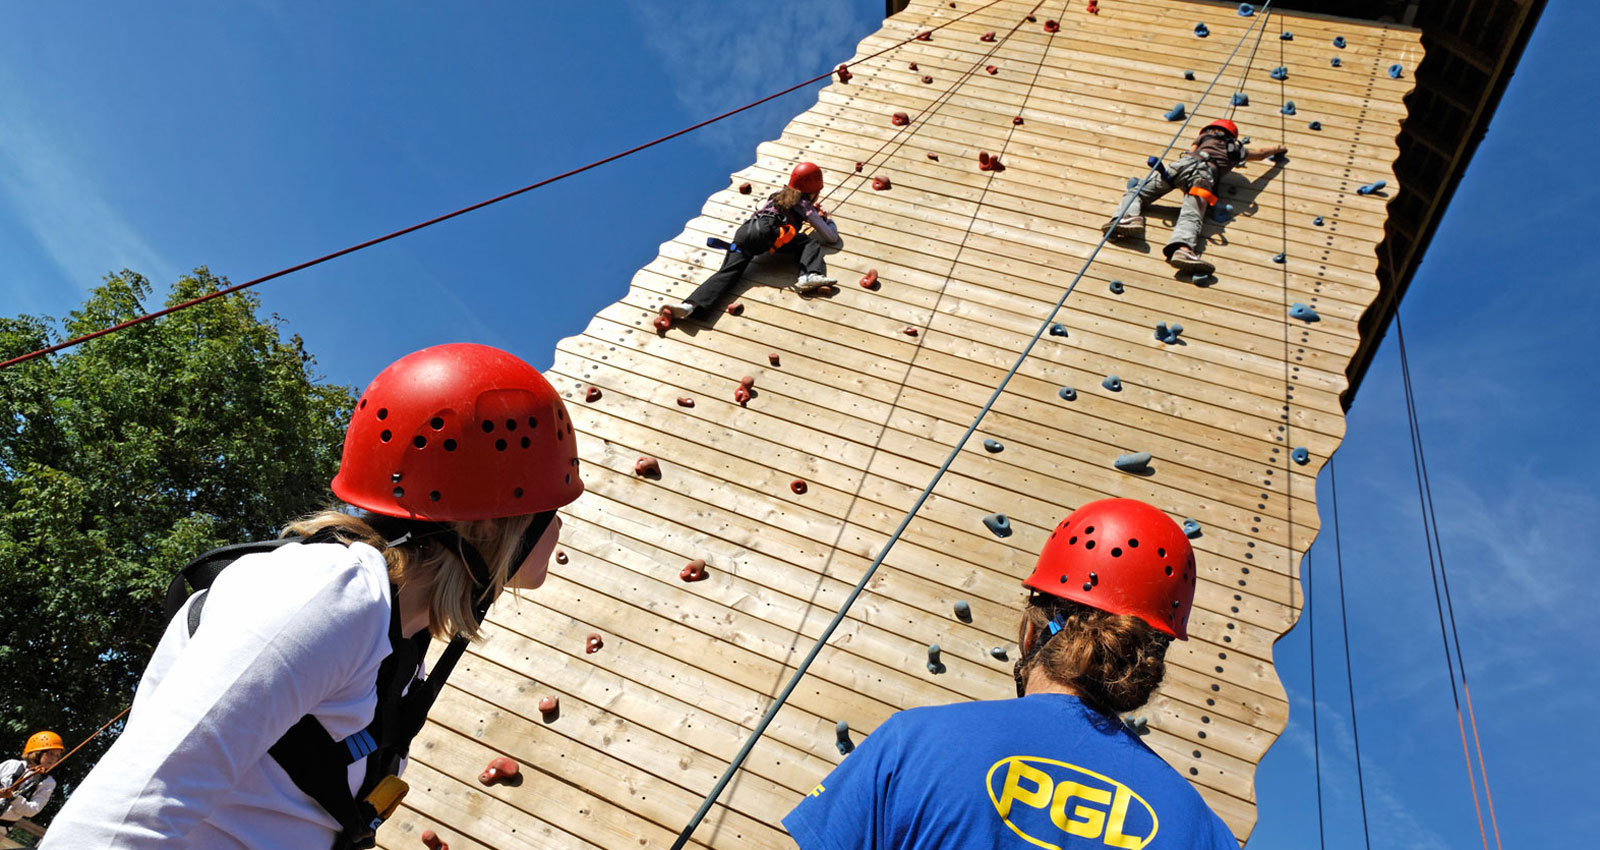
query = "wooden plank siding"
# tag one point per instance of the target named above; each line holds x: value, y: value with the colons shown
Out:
x: 865, y: 414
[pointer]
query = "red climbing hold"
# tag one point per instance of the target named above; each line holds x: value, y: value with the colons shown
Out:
x: 926, y: 78
x: 592, y: 395
x: 663, y: 322
x: 909, y: 330
x: 430, y: 840
x: 747, y: 382
x: 952, y: 5
x: 694, y: 570
x: 772, y: 358
x: 561, y: 556
x: 880, y: 184
x: 870, y: 279
x: 744, y: 188
x: 926, y: 35
x: 798, y: 486
x: 844, y: 74
x: 989, y: 163
x: 549, y: 705
x: 933, y: 156
x: 741, y: 395
x: 992, y: 70
x: 500, y: 770
x: 1017, y: 121
x: 1094, y: 8
x: 1052, y: 26
x: 899, y: 119
x: 647, y: 466
x: 736, y: 308
x: 913, y: 66
x: 686, y: 402
x: 988, y: 36
x: 593, y: 644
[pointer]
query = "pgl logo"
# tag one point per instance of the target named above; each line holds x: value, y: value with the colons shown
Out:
x: 1044, y: 800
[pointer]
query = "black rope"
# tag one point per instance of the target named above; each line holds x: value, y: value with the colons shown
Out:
x: 1349, y: 678
x: 1316, y: 740
x: 1250, y: 63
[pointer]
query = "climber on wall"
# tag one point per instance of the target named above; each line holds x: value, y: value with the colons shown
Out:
x: 277, y: 715
x: 1215, y: 153
x: 25, y: 783
x: 1056, y: 767
x: 776, y: 229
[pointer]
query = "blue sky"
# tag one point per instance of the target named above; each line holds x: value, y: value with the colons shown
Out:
x: 250, y: 136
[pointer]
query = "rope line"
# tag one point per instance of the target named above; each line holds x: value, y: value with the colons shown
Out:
x: 1349, y: 677
x: 20, y: 779
x: 1316, y: 740
x: 927, y: 491
x: 60, y: 346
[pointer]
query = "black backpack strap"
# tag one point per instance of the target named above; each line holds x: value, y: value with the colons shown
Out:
x: 202, y: 571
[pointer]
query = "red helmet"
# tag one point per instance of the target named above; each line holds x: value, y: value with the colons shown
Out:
x: 1121, y: 556
x: 806, y: 177
x: 459, y: 432
x: 1223, y: 124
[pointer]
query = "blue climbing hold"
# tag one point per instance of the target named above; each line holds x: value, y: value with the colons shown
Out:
x: 1068, y: 394
x: 1280, y: 73
x: 1168, y: 335
x: 1132, y: 182
x: 845, y: 745
x: 1201, y: 29
x: 1133, y: 462
x: 1241, y: 99
x: 963, y: 611
x: 1395, y: 71
x: 1246, y: 10
x: 1280, y: 258
x: 1160, y: 167
x: 1176, y: 113
x: 1058, y: 329
x: 1335, y: 62
x: 992, y: 446
x: 1315, y: 125
x: 1301, y: 456
x: 1286, y: 36
x: 1000, y: 524
x: 1288, y: 108
x: 1374, y: 186
x: 1222, y: 214
x: 1188, y: 75
x: 720, y: 244
x: 1191, y: 528
x: 1338, y: 41
x: 1303, y: 313
x: 1112, y: 383
x: 934, y: 665
x: 1116, y: 287
x: 1317, y: 221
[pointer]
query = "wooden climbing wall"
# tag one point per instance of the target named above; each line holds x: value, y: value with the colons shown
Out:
x: 864, y: 413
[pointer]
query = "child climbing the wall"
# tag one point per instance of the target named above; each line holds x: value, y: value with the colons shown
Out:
x: 1214, y: 154
x: 1056, y: 767
x: 25, y: 783
x: 775, y: 228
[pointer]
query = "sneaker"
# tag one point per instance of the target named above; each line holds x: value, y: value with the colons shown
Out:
x: 1130, y: 227
x: 1184, y: 258
x: 813, y: 282
x: 680, y: 310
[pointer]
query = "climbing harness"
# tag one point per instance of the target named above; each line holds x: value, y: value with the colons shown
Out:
x: 1204, y: 195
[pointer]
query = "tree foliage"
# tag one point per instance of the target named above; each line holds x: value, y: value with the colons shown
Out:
x: 122, y: 459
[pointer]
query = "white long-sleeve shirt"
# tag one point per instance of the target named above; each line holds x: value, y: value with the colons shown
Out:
x: 300, y: 630
x: 20, y: 807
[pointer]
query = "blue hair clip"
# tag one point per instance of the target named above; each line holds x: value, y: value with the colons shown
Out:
x: 1055, y: 625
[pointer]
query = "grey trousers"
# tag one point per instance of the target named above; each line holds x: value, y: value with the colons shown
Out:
x: 1188, y: 171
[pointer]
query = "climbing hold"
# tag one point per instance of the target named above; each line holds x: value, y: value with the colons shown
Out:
x: 933, y: 156
x: 1288, y: 108
x: 1191, y: 528
x: 747, y: 382
x: 935, y: 666
x: 844, y: 74
x: 647, y: 467
x: 992, y: 445
x: 1137, y: 725
x: 736, y: 308
x: 1335, y: 62
x: 1093, y: 8
x: 1301, y: 455
x: 741, y: 395
x: 1246, y: 10
x: 1279, y: 73
x: 1067, y: 394
x: 1168, y: 335
x: 909, y: 330
x: 1201, y: 30
x: 693, y: 571
x: 1202, y: 278
x: 988, y: 36
x: 1032, y: 19
x: 1188, y: 75
x: 1338, y: 41
x: 1304, y: 313
x: 1017, y: 121
x: 592, y: 395
x: 1116, y: 287
x: 593, y: 643
x: 1132, y: 182
x: 880, y: 184
x: 1286, y: 36
x: 1112, y: 383
x: 999, y: 524
x: 963, y: 611
x: 1241, y: 99
x: 1374, y: 186
x: 859, y: 166
x: 912, y: 66
x: 1280, y: 258
x: 773, y: 358
x: 1052, y: 26
x: 1315, y: 125
x: 430, y: 840
x: 989, y: 163
x: 1176, y: 113
x: 1395, y: 71
x: 999, y: 653
x: 549, y: 705
x: 798, y: 486
x: 1317, y: 221
x: 686, y: 402
x: 926, y: 35
x: 744, y: 188
x: 899, y: 119
x: 663, y: 321
x: 1133, y: 462
x: 992, y: 69
x: 1222, y: 213
x: 869, y: 280
x: 501, y: 770
x: 561, y: 556
x: 1058, y: 329
x: 843, y: 742
x: 926, y: 78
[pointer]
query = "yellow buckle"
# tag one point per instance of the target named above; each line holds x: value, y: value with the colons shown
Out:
x: 385, y: 798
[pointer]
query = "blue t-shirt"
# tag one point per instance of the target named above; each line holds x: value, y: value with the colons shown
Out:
x: 1043, y: 771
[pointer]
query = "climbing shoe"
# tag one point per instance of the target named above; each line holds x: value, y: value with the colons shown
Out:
x: 1184, y: 258
x: 1130, y: 227
x: 813, y: 282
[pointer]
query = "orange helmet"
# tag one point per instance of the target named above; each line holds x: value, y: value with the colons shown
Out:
x: 1223, y: 124
x: 459, y: 432
x: 806, y: 177
x: 1121, y: 556
x: 42, y: 742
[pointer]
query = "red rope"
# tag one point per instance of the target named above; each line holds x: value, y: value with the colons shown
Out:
x: 463, y: 211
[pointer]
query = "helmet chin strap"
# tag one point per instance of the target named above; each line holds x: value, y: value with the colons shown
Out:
x: 477, y: 565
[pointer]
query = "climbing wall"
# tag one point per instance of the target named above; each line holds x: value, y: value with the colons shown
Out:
x: 858, y: 396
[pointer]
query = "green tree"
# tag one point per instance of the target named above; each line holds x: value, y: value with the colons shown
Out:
x: 122, y: 459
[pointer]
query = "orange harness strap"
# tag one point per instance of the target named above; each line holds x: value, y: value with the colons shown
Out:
x: 786, y: 234
x: 1203, y: 194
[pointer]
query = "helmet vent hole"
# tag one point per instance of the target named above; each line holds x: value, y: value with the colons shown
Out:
x: 1073, y: 541
x: 1089, y: 530
x: 560, y: 435
x: 1089, y: 545
x: 499, y: 445
x: 1063, y: 579
x: 569, y: 478
x: 1094, y: 578
x: 526, y: 442
x: 1087, y: 587
x: 362, y: 405
x: 434, y: 495
x: 1133, y: 544
x: 419, y: 441
x: 383, y: 413
x: 488, y: 427
x: 1161, y: 552
x: 399, y: 492
x: 511, y: 424
x: 1116, y: 552
x: 449, y: 445
x: 386, y: 436
x: 517, y: 493
x: 561, y: 414
x: 533, y: 421
x: 1169, y: 569
x: 437, y: 423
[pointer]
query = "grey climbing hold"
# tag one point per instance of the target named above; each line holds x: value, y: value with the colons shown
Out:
x: 845, y: 745
x: 1191, y: 528
x: 1396, y: 70
x: 1222, y: 213
x: 1176, y: 113
x: 1201, y: 30
x: 1315, y: 125
x: 1286, y: 36
x: 1246, y: 10
x: 1168, y: 335
x: 1068, y: 394
x: 993, y: 446
x: 1137, y: 725
x: 1241, y: 99
x: 999, y: 653
x: 1058, y: 329
x: 1133, y: 462
x: 1338, y: 41
x: 1280, y: 259
x: 934, y: 665
x: 1301, y: 456
x: 1280, y: 73
x: 1374, y: 186
x: 963, y: 611
x: 1288, y: 108
x: 1188, y: 75
x: 1304, y: 313
x: 1317, y: 221
x: 1335, y: 62
x: 1112, y: 383
x: 1132, y: 182
x: 1116, y: 287
x: 999, y: 524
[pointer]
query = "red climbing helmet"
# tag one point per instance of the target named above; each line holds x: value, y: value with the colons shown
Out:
x: 1121, y: 556
x: 806, y: 177
x: 1223, y: 124
x: 459, y: 432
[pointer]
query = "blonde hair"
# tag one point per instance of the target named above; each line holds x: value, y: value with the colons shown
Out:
x: 430, y: 559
